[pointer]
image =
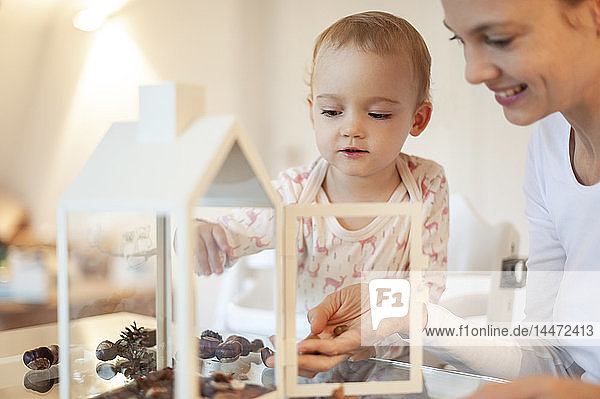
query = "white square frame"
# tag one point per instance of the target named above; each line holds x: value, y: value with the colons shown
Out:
x: 289, y: 359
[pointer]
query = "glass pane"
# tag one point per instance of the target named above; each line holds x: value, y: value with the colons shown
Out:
x: 112, y: 285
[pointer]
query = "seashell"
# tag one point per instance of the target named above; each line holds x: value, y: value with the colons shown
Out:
x: 228, y: 351
x: 207, y: 347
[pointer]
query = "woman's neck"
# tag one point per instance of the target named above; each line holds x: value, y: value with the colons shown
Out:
x: 584, y: 144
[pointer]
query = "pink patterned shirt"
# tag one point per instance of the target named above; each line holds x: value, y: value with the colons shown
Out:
x: 331, y: 257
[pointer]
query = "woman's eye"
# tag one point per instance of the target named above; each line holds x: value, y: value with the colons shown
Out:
x: 458, y: 39
x: 376, y: 115
x: 330, y: 112
x: 500, y: 42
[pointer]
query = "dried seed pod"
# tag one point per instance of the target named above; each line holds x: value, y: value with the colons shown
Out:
x: 266, y: 353
x: 228, y: 351
x: 54, y: 350
x: 243, y: 341
x: 210, y: 333
x: 122, y: 347
x: 339, y: 330
x: 207, y: 347
x: 256, y: 345
x: 106, y: 350
x: 148, y: 337
x: 39, y: 358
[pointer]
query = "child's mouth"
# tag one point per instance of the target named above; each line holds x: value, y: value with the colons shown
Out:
x: 353, y: 152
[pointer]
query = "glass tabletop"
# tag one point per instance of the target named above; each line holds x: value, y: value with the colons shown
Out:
x: 437, y: 383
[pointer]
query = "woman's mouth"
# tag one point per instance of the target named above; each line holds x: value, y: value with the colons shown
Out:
x: 510, y: 95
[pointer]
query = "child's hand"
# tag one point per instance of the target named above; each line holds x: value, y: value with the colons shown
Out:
x: 211, y: 255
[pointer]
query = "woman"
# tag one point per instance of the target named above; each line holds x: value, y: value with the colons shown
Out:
x: 541, y: 60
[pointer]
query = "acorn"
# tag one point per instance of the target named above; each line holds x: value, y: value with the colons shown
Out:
x: 39, y: 358
x: 243, y: 341
x: 266, y: 353
x: 210, y: 333
x: 256, y: 345
x: 207, y: 347
x: 106, y: 350
x: 228, y: 351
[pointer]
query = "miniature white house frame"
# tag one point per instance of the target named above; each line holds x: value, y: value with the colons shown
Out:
x: 162, y: 165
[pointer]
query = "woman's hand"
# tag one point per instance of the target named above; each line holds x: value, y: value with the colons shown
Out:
x: 547, y: 387
x: 212, y: 249
x: 349, y: 306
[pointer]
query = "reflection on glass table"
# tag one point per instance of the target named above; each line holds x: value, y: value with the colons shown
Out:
x: 14, y: 374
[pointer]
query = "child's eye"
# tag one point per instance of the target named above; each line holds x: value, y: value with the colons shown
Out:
x: 330, y: 112
x: 458, y: 39
x: 376, y: 115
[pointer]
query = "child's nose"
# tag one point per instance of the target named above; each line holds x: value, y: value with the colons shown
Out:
x: 353, y: 130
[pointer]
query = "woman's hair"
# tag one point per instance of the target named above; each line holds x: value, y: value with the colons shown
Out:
x: 383, y: 34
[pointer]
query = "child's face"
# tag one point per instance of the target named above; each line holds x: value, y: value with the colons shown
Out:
x: 527, y: 53
x: 362, y: 108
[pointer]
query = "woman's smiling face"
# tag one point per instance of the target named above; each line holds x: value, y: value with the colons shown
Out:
x: 537, y: 56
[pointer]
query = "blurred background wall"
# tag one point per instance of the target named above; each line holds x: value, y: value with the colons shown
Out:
x: 62, y: 88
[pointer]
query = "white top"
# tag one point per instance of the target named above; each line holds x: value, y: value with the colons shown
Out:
x: 564, y: 242
x: 331, y: 257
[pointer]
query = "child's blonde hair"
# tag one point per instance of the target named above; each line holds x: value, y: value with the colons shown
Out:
x: 384, y: 34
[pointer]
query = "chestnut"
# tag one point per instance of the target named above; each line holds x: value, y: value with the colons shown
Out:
x: 256, y: 345
x: 106, y: 370
x: 39, y: 358
x: 40, y: 380
x: 228, y: 351
x: 106, y: 350
x: 210, y: 333
x: 54, y: 350
x: 207, y: 347
x: 243, y: 341
x: 266, y: 353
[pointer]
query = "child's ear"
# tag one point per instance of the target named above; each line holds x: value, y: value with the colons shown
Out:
x: 421, y: 118
x: 310, y: 110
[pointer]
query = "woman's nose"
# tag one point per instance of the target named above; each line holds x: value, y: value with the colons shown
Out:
x: 479, y: 68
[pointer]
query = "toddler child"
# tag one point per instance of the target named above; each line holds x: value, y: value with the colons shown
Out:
x: 369, y: 89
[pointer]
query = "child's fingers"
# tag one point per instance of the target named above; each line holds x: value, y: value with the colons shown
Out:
x: 202, y: 265
x: 218, y: 234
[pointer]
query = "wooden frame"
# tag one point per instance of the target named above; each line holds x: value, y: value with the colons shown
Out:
x: 289, y: 359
